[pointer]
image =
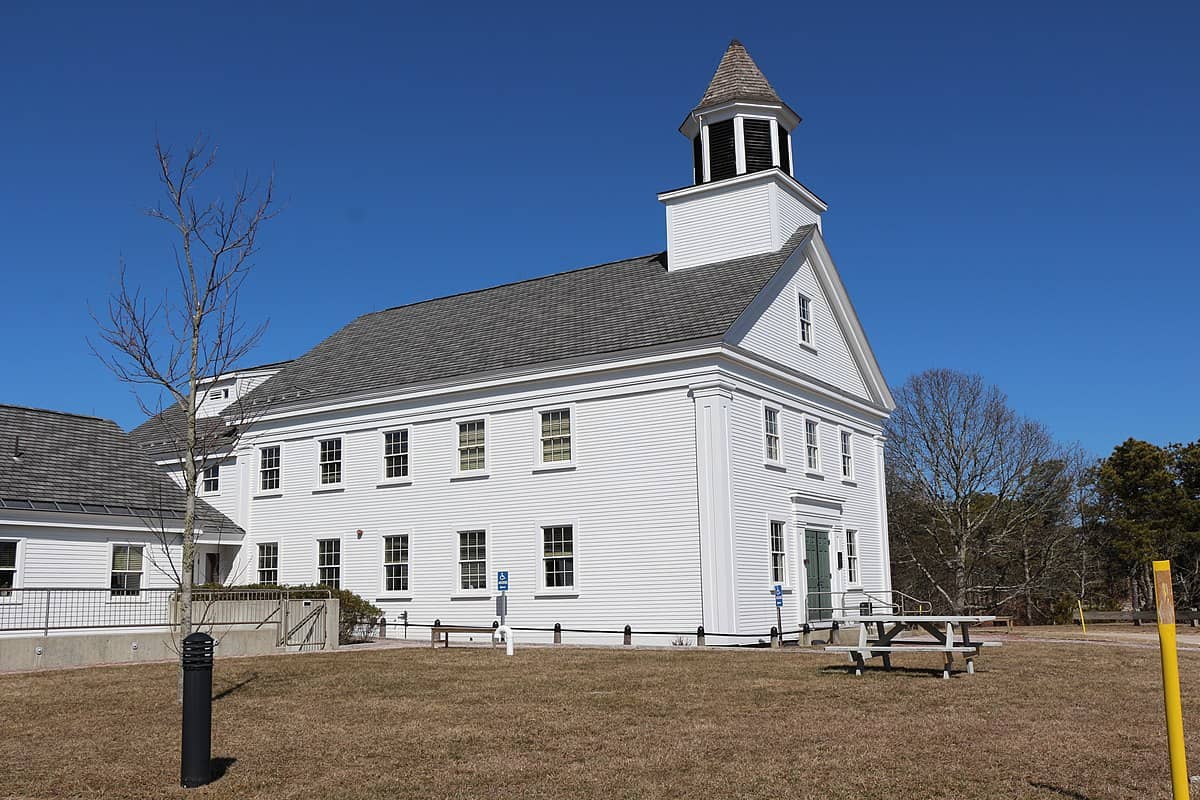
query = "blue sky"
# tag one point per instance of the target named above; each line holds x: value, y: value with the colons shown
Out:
x: 1012, y: 188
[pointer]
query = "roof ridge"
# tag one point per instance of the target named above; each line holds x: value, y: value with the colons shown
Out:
x: 56, y: 411
x: 514, y: 283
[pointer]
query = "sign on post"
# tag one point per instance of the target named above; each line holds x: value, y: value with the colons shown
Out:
x: 778, y: 595
x: 502, y: 580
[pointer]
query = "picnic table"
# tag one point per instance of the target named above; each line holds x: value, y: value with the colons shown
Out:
x: 879, y: 635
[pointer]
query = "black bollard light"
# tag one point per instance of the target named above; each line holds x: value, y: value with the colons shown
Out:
x: 195, y: 763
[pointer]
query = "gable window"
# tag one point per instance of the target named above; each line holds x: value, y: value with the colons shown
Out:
x: 268, y: 562
x: 847, y: 455
x: 268, y: 468
x: 126, y: 570
x: 812, y: 446
x: 852, y: 556
x: 395, y: 454
x: 806, y: 329
x: 771, y: 433
x: 472, y: 443
x: 472, y: 559
x: 329, y: 563
x: 555, y: 435
x: 395, y: 563
x: 778, y: 555
x: 211, y: 479
x: 330, y: 461
x: 558, y: 556
x: 8, y: 567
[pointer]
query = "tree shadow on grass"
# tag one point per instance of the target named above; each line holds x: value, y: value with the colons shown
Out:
x: 1049, y: 787
x: 234, y: 688
x: 219, y: 766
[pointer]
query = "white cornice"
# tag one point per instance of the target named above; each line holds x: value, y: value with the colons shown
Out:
x: 734, y: 107
x: 785, y: 181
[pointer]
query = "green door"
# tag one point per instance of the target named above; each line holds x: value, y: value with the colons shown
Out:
x: 816, y: 566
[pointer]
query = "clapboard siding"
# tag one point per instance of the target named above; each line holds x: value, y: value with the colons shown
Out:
x: 78, y: 557
x: 632, y: 498
x: 776, y: 335
x: 724, y: 225
x: 763, y: 492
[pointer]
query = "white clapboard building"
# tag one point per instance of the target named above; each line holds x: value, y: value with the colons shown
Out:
x: 654, y: 442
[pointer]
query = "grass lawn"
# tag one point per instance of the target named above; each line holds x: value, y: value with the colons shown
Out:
x: 1039, y: 720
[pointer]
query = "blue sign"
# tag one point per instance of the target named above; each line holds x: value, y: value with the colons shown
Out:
x: 502, y: 580
x: 778, y: 595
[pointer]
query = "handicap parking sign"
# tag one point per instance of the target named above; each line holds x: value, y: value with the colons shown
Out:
x: 502, y: 580
x: 778, y: 595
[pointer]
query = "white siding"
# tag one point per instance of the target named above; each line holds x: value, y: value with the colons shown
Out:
x: 763, y: 492
x: 776, y: 335
x: 632, y: 498
x: 77, y: 557
x: 791, y: 213
x: 720, y: 226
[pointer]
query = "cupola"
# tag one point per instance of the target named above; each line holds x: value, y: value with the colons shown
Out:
x: 743, y: 199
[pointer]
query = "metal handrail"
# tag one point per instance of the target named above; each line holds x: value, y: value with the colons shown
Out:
x: 897, y: 601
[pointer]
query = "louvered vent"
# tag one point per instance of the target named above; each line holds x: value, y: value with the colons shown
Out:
x: 722, y: 157
x: 698, y: 159
x: 785, y: 157
x: 758, y: 144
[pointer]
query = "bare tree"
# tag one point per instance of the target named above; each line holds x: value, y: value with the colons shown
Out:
x: 979, y: 496
x: 178, y: 344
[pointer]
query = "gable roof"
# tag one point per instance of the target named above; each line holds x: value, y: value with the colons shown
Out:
x: 609, y: 308
x: 55, y: 461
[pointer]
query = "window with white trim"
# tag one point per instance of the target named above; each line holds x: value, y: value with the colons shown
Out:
x: 847, y: 439
x: 268, y: 468
x: 805, y: 312
x: 210, y: 479
x: 852, y: 556
x: 778, y: 553
x: 127, y: 568
x: 812, y: 445
x: 395, y: 563
x: 771, y: 433
x: 558, y: 556
x: 395, y: 454
x: 330, y: 463
x: 329, y: 563
x: 268, y: 562
x: 472, y: 559
x: 8, y: 567
x: 472, y: 445
x: 555, y: 435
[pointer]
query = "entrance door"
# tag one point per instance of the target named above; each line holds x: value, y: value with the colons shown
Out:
x: 212, y: 567
x: 816, y: 566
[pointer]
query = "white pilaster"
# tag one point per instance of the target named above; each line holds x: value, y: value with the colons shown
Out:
x: 714, y: 481
x: 885, y: 542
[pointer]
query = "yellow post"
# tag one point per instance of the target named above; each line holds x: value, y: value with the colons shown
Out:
x: 1164, y: 602
x: 1082, y: 621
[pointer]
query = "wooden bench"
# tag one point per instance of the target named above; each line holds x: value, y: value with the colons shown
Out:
x: 442, y: 633
x: 1007, y: 622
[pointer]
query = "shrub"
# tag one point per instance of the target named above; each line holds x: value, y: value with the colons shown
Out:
x: 353, y: 611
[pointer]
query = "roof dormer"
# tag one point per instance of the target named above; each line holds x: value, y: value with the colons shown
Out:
x: 744, y: 199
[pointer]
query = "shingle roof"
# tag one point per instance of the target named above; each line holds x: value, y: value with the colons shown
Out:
x: 162, y: 434
x: 737, y: 78
x: 55, y: 461
x: 605, y: 309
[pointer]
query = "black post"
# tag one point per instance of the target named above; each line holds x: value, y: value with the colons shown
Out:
x: 383, y: 627
x: 774, y: 636
x: 628, y: 635
x: 700, y: 636
x: 558, y: 633
x: 195, y: 763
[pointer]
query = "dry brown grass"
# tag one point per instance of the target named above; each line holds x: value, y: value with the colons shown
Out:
x: 1038, y: 720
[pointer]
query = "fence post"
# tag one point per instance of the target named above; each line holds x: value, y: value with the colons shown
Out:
x: 383, y: 627
x: 46, y: 627
x: 833, y: 633
x: 558, y: 633
x: 806, y: 634
x: 699, y: 636
x: 628, y: 635
x: 774, y: 636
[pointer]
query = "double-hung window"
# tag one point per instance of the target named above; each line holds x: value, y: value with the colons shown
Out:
x: 269, y: 468
x: 847, y: 439
x: 812, y: 445
x: 330, y: 462
x: 395, y: 454
x: 127, y: 565
x: 268, y: 562
x: 472, y: 560
x: 211, y: 479
x: 472, y: 445
x: 558, y: 556
x: 771, y: 442
x: 555, y: 435
x: 395, y: 563
x: 8, y: 567
x: 852, y: 557
x: 778, y: 554
x: 329, y: 563
x: 806, y: 325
